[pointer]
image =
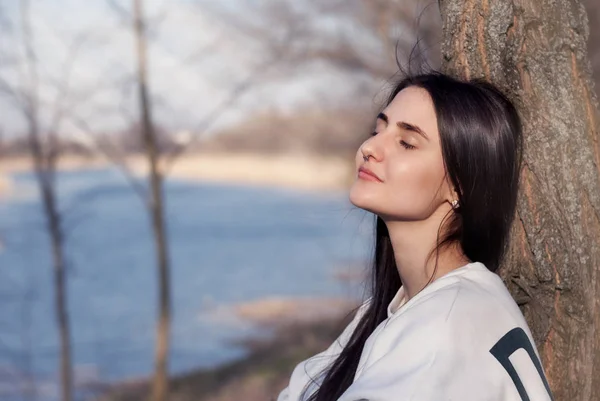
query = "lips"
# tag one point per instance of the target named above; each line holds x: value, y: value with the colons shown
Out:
x: 367, y: 174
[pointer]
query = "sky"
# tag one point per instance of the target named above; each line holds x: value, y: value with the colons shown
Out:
x: 197, y: 58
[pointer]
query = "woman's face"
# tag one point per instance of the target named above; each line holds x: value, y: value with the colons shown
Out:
x: 409, y: 164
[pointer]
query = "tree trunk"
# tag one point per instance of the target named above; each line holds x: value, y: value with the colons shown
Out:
x: 535, y: 50
x: 44, y: 169
x: 156, y: 209
x: 44, y: 160
x: 60, y: 286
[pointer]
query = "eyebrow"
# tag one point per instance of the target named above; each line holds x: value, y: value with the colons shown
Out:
x: 404, y: 125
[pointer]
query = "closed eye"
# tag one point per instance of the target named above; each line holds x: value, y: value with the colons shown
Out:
x: 402, y: 143
x: 406, y: 145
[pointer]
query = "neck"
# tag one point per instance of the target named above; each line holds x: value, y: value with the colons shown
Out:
x: 412, y: 242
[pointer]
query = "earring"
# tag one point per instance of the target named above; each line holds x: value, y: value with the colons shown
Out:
x: 454, y: 203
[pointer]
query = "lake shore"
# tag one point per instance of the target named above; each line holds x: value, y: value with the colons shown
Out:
x: 299, y: 172
x: 264, y: 372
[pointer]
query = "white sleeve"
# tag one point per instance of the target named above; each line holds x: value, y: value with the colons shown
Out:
x: 299, y: 378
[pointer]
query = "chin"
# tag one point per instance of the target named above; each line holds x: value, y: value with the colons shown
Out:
x: 363, y: 198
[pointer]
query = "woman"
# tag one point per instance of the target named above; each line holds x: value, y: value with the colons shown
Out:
x: 440, y: 173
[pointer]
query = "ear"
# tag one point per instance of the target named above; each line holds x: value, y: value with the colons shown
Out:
x: 455, y: 193
x: 452, y: 192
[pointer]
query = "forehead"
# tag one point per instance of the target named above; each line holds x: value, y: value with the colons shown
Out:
x: 414, y: 106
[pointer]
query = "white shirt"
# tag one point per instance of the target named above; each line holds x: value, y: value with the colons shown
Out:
x: 462, y: 338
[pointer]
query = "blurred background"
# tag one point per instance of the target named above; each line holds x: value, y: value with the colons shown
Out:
x: 173, y: 187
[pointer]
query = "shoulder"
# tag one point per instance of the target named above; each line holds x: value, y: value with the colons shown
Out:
x: 453, y: 342
x: 485, y: 333
x: 472, y: 309
x: 461, y: 321
x: 484, y: 310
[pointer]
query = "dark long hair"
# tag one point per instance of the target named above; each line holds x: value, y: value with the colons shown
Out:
x: 481, y: 140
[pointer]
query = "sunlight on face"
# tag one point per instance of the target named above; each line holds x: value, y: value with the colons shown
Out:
x: 409, y: 166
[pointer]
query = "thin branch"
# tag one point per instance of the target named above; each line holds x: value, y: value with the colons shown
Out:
x: 211, y: 118
x: 114, y: 155
x: 14, y: 96
x: 122, y: 12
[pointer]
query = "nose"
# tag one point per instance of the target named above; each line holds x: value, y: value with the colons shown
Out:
x: 370, y: 149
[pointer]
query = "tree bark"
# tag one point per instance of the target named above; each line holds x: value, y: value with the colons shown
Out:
x: 156, y: 210
x: 535, y: 50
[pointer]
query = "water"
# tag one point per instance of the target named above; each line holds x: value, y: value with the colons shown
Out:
x: 227, y: 245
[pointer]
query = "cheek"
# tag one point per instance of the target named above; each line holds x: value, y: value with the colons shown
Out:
x: 413, y: 187
x: 409, y: 191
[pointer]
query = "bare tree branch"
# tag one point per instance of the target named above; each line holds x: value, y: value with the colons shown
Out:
x: 342, y: 47
x: 122, y: 12
x: 105, y: 146
x: 211, y: 118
